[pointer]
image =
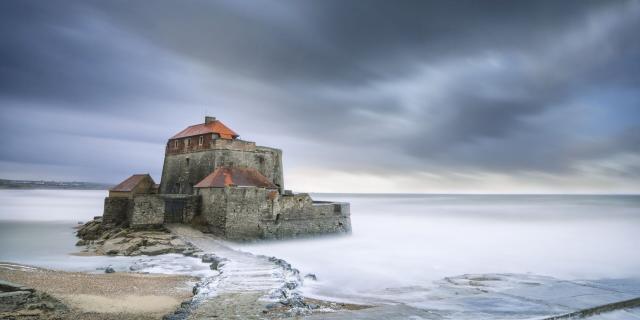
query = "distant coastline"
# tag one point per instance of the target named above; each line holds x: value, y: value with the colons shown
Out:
x: 41, y: 184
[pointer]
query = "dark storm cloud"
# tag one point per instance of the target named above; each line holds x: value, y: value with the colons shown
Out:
x: 503, y: 87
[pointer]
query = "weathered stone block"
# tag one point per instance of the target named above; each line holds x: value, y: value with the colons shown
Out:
x: 115, y: 211
x: 148, y: 211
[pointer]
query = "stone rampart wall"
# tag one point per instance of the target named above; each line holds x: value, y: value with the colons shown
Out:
x: 258, y: 213
x: 213, y: 208
x: 298, y: 216
x: 116, y: 211
x: 147, y: 211
x: 191, y: 205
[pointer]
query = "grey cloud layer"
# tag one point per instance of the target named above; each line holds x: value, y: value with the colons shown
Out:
x: 507, y: 87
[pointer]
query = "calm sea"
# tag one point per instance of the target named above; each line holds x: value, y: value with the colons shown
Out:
x: 397, y: 240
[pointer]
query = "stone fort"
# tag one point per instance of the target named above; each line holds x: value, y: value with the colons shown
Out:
x: 230, y: 187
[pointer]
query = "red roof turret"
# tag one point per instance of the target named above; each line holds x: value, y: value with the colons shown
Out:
x: 211, y: 125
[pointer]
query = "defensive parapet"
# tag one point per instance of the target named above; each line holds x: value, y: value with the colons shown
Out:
x: 244, y: 213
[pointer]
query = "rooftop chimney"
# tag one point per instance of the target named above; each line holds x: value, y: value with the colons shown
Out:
x: 208, y: 119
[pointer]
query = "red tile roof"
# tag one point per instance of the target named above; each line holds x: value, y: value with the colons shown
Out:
x: 232, y: 176
x: 204, y: 128
x: 131, y: 182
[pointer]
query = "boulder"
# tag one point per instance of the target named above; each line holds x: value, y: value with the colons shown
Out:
x: 311, y: 276
x: 291, y: 285
x: 90, y: 230
x: 216, y: 262
x: 113, y: 246
x: 177, y: 243
x: 6, y: 286
x: 189, y: 252
x: 209, y: 257
x: 155, y: 249
x: 131, y: 246
x: 109, y: 269
x: 10, y: 301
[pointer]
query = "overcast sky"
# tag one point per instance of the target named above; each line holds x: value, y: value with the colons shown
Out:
x: 362, y: 96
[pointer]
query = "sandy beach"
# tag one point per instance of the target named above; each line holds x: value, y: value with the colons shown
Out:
x: 105, y: 296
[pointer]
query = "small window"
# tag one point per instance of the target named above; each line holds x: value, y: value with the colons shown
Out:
x: 175, y: 144
x: 187, y: 161
x: 187, y: 142
x: 200, y: 140
x: 214, y: 136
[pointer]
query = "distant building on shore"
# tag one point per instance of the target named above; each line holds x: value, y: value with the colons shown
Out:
x: 234, y: 188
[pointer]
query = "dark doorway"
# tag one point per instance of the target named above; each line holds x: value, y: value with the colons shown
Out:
x: 174, y: 210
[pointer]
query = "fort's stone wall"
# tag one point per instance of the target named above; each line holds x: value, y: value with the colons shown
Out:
x: 180, y: 207
x: 213, y: 208
x: 299, y: 216
x: 147, y: 211
x: 191, y: 209
x: 258, y: 213
x: 115, y: 211
x: 181, y: 171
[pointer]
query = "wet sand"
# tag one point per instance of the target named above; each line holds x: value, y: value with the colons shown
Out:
x: 106, y: 296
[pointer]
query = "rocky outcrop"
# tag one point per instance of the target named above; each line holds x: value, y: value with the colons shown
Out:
x: 91, y: 230
x: 128, y: 242
x: 20, y: 302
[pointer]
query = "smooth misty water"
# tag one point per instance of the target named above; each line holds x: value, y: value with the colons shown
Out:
x: 397, y: 240
x: 37, y: 228
x: 413, y: 240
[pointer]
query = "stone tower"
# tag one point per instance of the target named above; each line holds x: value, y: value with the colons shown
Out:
x: 195, y: 152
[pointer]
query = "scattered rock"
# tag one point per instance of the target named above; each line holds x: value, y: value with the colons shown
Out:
x: 273, y: 305
x: 109, y: 269
x: 189, y: 252
x: 6, y: 286
x: 295, y: 301
x: 208, y: 257
x: 20, y: 302
x: 291, y: 285
x: 10, y: 300
x: 216, y: 262
x: 311, y: 276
